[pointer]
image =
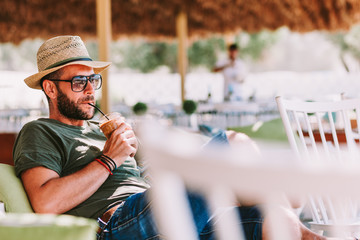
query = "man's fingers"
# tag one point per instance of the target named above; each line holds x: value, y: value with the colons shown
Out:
x: 128, y: 134
x: 123, y: 133
x: 124, y: 126
x: 132, y: 142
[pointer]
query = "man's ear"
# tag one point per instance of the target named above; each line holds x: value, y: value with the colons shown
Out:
x: 50, y: 89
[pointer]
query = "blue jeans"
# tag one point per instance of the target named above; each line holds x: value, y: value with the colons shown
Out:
x: 134, y: 218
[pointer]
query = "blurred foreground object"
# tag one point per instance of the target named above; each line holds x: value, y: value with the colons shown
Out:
x: 224, y: 176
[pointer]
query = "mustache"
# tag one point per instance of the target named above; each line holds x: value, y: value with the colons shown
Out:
x: 88, y: 98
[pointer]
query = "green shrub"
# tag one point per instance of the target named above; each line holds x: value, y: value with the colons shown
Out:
x: 189, y: 106
x: 140, y: 108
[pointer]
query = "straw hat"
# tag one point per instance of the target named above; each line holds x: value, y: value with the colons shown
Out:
x: 59, y: 52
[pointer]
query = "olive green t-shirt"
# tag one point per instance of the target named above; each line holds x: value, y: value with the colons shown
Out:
x: 66, y: 149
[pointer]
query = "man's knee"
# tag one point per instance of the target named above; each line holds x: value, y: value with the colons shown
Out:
x: 240, y: 141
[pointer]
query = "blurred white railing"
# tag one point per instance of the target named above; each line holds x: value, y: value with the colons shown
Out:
x: 12, y: 120
x: 222, y: 120
x: 163, y: 88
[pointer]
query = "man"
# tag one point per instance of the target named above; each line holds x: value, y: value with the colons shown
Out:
x: 234, y: 72
x: 68, y: 166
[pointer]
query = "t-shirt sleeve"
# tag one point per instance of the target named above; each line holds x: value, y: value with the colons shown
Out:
x: 35, y: 147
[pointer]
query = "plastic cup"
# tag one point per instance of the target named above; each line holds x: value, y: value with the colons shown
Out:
x: 107, y: 126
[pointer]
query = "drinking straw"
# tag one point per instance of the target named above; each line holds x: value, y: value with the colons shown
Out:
x: 99, y: 110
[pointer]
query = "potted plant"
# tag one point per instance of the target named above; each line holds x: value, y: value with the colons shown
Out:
x: 189, y: 107
x: 140, y: 108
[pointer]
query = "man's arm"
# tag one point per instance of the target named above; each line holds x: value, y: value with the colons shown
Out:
x: 50, y: 193
x: 223, y: 66
x: 218, y: 69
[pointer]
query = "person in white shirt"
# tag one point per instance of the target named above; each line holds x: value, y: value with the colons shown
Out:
x: 234, y: 72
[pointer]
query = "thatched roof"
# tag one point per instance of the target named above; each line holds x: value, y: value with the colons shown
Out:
x: 21, y: 19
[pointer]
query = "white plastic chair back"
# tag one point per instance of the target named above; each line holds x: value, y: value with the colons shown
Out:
x: 176, y: 163
x: 223, y: 178
x: 222, y: 181
x: 317, y: 129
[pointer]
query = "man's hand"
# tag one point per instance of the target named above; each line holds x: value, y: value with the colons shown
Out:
x: 121, y: 144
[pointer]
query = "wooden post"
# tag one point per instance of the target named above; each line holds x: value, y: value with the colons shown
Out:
x: 103, y: 17
x: 181, y: 31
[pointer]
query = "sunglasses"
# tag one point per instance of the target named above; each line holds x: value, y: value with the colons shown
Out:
x: 79, y: 83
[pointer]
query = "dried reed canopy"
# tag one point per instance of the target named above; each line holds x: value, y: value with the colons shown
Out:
x: 21, y: 19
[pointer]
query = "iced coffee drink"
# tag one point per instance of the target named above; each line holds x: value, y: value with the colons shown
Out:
x: 107, y: 126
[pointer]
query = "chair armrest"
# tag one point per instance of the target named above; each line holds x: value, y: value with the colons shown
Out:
x: 29, y: 226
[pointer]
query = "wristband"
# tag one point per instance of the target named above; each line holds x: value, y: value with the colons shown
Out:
x: 108, y: 159
x: 105, y: 166
x: 110, y: 166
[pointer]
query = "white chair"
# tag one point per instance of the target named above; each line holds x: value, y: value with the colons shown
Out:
x: 222, y: 176
x: 175, y: 162
x: 321, y: 132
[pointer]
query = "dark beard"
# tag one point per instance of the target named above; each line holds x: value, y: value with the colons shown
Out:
x: 70, y: 109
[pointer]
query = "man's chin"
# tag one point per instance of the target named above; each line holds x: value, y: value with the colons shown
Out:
x: 91, y: 116
x: 88, y: 116
x: 81, y: 115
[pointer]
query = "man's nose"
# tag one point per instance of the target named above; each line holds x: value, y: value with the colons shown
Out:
x: 89, y: 88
